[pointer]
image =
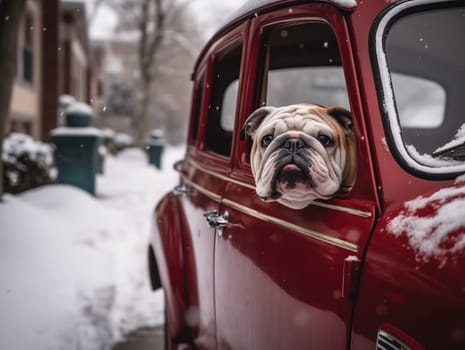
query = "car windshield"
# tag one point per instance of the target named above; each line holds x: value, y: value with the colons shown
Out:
x: 425, y: 52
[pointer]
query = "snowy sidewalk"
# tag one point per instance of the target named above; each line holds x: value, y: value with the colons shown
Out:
x: 73, y: 267
x: 146, y: 338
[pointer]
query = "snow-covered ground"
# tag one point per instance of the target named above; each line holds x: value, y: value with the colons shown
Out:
x: 73, y: 267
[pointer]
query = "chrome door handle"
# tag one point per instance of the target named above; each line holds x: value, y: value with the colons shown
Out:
x: 178, y: 166
x: 181, y: 190
x: 218, y: 221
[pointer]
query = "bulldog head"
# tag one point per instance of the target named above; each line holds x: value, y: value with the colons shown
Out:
x: 301, y: 153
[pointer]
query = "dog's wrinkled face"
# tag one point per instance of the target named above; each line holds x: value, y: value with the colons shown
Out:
x: 301, y: 153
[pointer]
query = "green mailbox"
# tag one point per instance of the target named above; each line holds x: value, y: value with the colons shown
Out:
x: 76, y: 153
x: 155, y: 146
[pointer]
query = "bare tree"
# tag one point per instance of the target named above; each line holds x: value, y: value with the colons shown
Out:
x: 152, y: 33
x: 10, y: 13
x: 157, y: 25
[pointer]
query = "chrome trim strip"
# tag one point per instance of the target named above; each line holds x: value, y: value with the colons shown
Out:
x: 356, y: 212
x: 220, y: 176
x: 352, y: 211
x: 299, y: 229
x: 385, y: 341
x: 296, y: 228
x: 213, y: 196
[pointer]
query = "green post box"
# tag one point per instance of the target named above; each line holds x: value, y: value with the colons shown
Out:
x: 76, y: 152
x: 155, y: 146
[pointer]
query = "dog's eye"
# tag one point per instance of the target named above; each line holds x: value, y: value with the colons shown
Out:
x: 325, y: 140
x: 266, y: 140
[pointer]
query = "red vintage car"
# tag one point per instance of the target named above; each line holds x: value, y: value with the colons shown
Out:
x: 381, y: 266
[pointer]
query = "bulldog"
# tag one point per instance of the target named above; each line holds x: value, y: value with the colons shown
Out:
x: 301, y: 153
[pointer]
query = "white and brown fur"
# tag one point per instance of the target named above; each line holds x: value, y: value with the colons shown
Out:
x: 301, y: 153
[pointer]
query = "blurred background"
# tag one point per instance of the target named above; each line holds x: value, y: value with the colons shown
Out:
x: 129, y: 59
x: 93, y: 93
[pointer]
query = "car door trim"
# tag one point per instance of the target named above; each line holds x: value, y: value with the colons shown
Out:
x: 293, y: 227
x: 352, y: 211
x: 251, y: 212
x: 212, y: 195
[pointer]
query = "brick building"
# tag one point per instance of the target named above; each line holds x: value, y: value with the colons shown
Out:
x: 54, y: 58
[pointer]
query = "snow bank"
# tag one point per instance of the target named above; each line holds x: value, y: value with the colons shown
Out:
x: 73, y: 267
x: 432, y: 223
x: 49, y: 266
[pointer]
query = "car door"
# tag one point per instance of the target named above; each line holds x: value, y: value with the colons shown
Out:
x: 206, y: 166
x: 285, y: 278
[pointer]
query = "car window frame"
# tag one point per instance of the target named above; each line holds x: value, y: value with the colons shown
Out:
x: 237, y: 36
x: 365, y: 185
x: 386, y: 99
x: 198, y: 94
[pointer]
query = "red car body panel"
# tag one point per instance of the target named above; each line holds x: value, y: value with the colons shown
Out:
x: 415, y: 292
x: 199, y: 252
x: 330, y: 276
x: 169, y: 253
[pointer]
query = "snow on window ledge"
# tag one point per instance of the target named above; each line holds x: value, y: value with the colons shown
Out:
x: 430, y: 161
x: 459, y: 138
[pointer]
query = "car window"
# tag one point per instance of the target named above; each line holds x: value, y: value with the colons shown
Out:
x: 422, y: 63
x: 302, y: 65
x: 326, y: 85
x: 223, y: 100
x: 421, y: 103
x: 197, y: 109
x: 228, y: 111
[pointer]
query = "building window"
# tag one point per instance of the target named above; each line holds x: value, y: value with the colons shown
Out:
x: 27, y: 71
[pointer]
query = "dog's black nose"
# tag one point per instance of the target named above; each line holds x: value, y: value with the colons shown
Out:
x: 293, y: 144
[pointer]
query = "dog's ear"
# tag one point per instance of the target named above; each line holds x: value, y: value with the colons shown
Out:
x: 343, y: 117
x: 254, y: 120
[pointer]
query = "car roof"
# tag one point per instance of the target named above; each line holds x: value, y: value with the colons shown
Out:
x: 252, y: 5
x: 253, y: 8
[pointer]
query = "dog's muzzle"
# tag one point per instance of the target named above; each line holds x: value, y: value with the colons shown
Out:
x: 292, y: 166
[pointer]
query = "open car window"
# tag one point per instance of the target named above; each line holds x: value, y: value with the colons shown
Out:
x: 302, y: 65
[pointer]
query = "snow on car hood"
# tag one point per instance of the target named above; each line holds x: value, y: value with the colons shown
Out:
x: 435, y: 224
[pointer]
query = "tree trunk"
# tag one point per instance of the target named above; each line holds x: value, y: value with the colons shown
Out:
x: 149, y: 44
x: 10, y: 13
x: 143, y: 122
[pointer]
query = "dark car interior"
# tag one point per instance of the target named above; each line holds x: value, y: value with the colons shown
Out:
x: 429, y: 45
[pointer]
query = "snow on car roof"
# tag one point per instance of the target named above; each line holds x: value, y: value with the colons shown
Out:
x: 255, y: 4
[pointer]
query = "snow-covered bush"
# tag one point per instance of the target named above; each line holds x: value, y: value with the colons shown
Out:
x: 108, y: 141
x: 123, y: 141
x: 27, y: 163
